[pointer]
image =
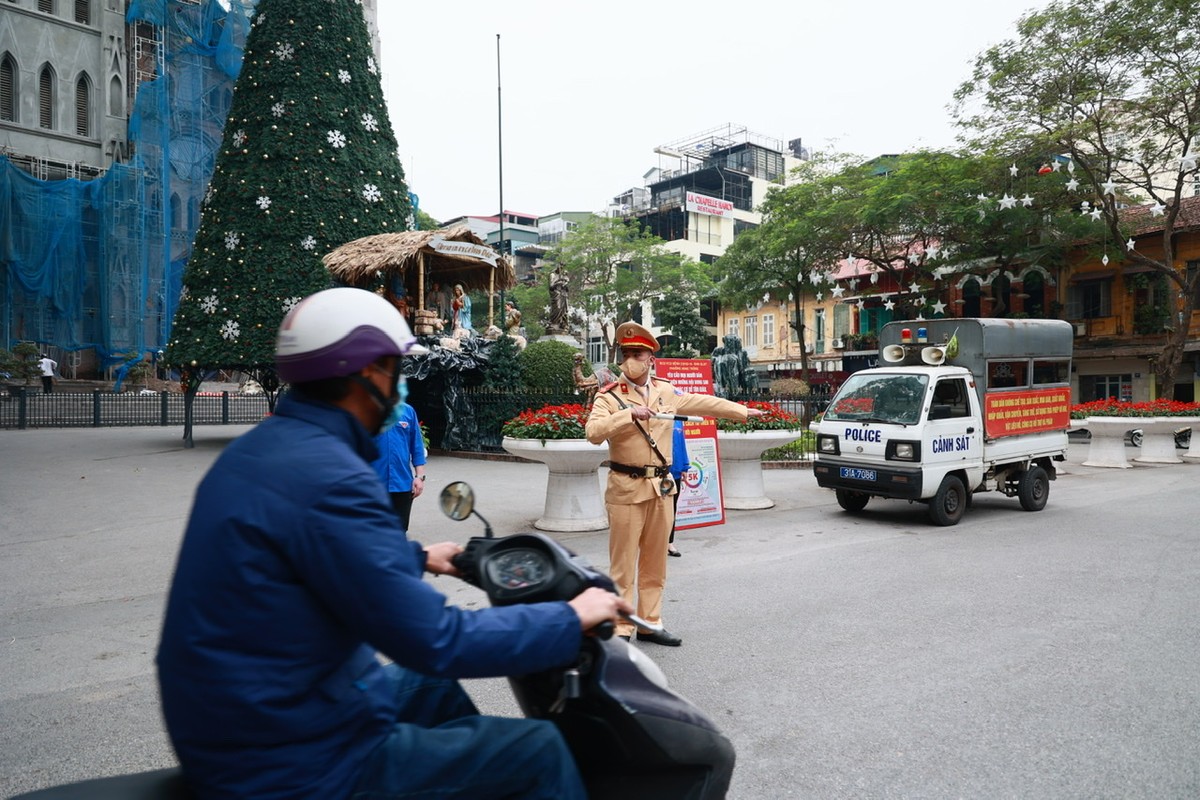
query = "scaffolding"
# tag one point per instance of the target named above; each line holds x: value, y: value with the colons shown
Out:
x: 98, y: 264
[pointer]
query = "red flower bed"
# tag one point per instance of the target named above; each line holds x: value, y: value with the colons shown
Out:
x: 1151, y: 408
x: 549, y: 422
x: 774, y: 418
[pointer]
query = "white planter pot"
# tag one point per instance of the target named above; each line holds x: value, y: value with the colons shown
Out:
x: 1107, y: 448
x: 740, y: 455
x: 574, y: 501
x: 1158, y: 440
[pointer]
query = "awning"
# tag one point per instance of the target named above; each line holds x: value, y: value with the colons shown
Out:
x: 1137, y: 269
x: 1095, y: 275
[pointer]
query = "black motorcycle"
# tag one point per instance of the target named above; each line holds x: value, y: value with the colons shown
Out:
x: 631, y: 736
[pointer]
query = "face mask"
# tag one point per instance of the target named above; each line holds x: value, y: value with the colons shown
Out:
x: 401, y: 395
x: 634, y: 369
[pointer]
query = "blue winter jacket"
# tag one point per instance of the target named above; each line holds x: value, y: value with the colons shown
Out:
x: 293, y: 571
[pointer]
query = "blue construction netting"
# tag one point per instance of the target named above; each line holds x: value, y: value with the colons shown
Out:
x: 99, y: 264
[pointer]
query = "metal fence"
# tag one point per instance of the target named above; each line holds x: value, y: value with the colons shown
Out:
x: 479, y: 429
x: 23, y: 408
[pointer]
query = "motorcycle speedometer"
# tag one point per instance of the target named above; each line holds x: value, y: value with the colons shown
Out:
x: 521, y: 568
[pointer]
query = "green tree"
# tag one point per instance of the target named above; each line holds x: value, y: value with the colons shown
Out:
x: 802, y: 234
x: 614, y: 265
x: 926, y: 217
x: 534, y: 302
x: 426, y: 222
x: 1114, y: 87
x: 22, y: 362
x: 308, y: 163
x: 680, y: 315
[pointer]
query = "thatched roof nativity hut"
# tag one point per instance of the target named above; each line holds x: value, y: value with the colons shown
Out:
x: 415, y: 260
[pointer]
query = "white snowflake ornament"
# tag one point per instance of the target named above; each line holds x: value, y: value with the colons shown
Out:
x: 336, y: 138
x: 308, y: 242
x: 230, y: 330
x: 343, y: 76
x: 263, y: 202
x: 285, y: 52
x: 278, y: 110
x: 369, y: 122
x: 209, y: 304
x: 239, y: 138
x: 232, y: 240
x: 371, y: 66
x: 371, y: 193
x: 290, y: 303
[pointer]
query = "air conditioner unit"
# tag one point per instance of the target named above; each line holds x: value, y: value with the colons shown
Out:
x: 838, y: 344
x: 1081, y: 329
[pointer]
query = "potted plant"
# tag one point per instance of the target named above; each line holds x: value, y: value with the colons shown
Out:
x: 1108, y: 421
x: 740, y: 446
x: 554, y: 435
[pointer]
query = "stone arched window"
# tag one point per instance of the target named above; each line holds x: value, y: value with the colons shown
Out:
x: 8, y: 88
x: 46, y: 81
x: 116, y: 97
x: 83, y: 105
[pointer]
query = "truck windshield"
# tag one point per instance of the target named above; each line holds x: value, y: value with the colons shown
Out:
x: 879, y: 398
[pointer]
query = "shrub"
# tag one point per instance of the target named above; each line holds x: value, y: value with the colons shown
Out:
x: 790, y: 387
x: 547, y: 365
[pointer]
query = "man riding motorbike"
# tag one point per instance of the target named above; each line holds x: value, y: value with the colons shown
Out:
x: 294, y: 576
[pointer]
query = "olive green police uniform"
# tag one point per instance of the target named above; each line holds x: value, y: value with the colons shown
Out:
x: 640, y: 510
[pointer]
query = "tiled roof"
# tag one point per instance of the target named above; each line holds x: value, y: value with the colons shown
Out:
x: 1145, y: 222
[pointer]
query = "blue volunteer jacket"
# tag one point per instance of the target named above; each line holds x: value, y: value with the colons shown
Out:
x: 401, y: 448
x: 293, y: 571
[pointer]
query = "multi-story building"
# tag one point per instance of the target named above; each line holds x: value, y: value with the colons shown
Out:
x: 131, y: 99
x: 701, y: 196
x: 64, y: 86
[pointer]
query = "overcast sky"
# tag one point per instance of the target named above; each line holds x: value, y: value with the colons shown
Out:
x: 590, y: 89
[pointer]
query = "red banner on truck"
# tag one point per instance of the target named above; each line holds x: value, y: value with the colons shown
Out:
x: 1012, y: 413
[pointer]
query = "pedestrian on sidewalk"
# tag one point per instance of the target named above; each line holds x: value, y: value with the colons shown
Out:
x: 48, y: 365
x: 401, y: 462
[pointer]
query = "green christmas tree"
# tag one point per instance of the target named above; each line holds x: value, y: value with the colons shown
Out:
x: 308, y: 163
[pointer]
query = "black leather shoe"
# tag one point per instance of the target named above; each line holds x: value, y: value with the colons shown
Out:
x: 674, y: 552
x: 661, y: 637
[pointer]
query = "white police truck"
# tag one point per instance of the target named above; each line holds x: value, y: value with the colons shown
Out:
x: 961, y: 406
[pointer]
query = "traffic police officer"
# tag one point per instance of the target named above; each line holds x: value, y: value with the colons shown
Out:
x: 638, y: 496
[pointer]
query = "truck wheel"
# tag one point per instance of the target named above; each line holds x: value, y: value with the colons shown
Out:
x: 852, y: 501
x: 948, y: 505
x: 1033, y: 489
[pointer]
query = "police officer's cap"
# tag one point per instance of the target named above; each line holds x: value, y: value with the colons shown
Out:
x: 632, y: 335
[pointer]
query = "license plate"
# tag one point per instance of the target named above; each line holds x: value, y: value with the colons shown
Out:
x: 856, y: 474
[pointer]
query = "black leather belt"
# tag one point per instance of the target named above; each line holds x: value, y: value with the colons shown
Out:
x: 648, y: 471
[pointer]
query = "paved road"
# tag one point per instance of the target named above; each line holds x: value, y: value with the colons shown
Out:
x: 1023, y: 655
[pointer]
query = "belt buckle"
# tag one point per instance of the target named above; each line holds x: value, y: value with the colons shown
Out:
x: 649, y: 472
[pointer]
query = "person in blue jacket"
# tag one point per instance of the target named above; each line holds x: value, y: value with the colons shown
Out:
x: 294, y: 577
x: 679, y: 465
x: 401, y: 462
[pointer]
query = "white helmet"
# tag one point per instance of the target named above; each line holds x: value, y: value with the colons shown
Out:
x: 337, y: 332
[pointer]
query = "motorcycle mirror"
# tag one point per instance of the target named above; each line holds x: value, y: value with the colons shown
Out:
x: 457, y: 500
